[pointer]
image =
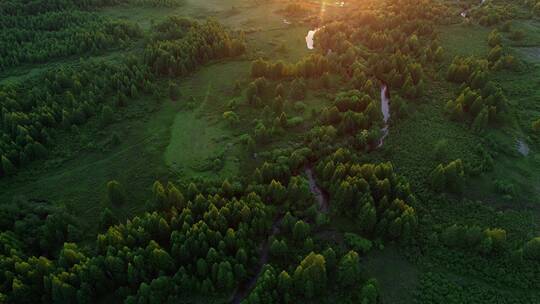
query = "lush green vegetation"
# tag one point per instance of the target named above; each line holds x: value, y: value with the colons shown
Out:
x: 165, y: 151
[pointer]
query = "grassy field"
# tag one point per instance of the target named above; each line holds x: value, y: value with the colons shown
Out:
x: 464, y: 40
x: 398, y: 277
x: 83, y: 163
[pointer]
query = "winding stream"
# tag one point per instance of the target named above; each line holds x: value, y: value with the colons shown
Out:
x: 244, y: 289
x: 309, y: 38
x: 385, y: 108
x: 320, y: 196
x: 465, y: 12
x: 523, y: 148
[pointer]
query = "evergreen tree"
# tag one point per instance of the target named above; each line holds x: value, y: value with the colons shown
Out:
x: 115, y: 193
x: 6, y: 168
x: 349, y: 272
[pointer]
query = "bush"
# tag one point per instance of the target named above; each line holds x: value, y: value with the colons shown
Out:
x: 440, y: 151
x: 107, y: 115
x: 231, y: 118
x: 174, y: 91
x: 298, y: 89
x: 6, y: 167
x: 536, y: 126
x: 295, y: 121
x: 494, y: 38
x: 357, y: 243
x: 532, y: 249
x: 300, y: 107
x: 517, y: 35
x: 116, y: 193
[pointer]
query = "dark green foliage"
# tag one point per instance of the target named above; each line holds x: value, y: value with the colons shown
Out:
x: 174, y: 91
x: 311, y: 281
x: 474, y: 239
x: 33, y: 110
x: 358, y: 243
x: 6, y: 167
x: 107, y: 115
x: 486, y: 106
x: 107, y: 219
x: 35, y: 227
x: 494, y: 38
x: 440, y: 150
x: 180, y: 45
x: 116, y: 193
x: 531, y: 250
x: 300, y: 231
x: 535, y: 125
x: 371, y: 194
x: 353, y: 111
x: 298, y: 89
x: 205, y: 245
x: 57, y: 31
x: 349, y: 272
x: 313, y: 66
x: 450, y: 177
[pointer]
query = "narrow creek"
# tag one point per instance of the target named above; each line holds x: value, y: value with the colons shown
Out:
x: 244, y: 289
x: 385, y: 108
x: 385, y: 96
x: 522, y: 147
x: 465, y: 12
x: 322, y: 199
x: 309, y: 38
x: 319, y: 194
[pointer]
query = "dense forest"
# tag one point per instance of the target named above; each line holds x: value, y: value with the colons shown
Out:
x: 393, y: 161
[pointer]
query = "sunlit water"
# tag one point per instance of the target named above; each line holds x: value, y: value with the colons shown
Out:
x: 385, y: 108
x: 523, y: 148
x: 309, y: 38
x: 464, y: 13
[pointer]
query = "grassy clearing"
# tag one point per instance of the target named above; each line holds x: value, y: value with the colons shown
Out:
x: 145, y: 16
x: 531, y: 29
x: 510, y: 167
x: 83, y: 163
x: 266, y: 29
x: 285, y: 43
x: 523, y: 92
x: 201, y: 143
x: 464, y: 40
x: 397, y: 277
x: 200, y: 147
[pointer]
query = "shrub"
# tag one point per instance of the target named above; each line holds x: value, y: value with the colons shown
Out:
x: 536, y: 126
x: 116, y: 193
x: 358, y: 243
x: 532, y: 249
